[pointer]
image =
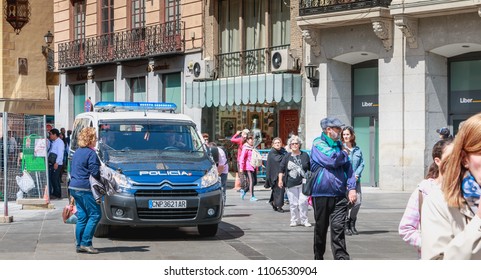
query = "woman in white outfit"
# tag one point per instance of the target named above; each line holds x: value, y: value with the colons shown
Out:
x: 451, y: 216
x: 293, y: 167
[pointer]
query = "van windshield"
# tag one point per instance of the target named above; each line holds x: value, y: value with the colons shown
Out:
x: 147, y: 141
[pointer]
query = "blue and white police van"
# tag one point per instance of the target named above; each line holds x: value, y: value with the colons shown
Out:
x: 159, y: 161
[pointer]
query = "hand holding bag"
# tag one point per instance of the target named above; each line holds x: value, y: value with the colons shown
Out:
x: 52, y: 158
x: 310, y: 178
x: 68, y: 213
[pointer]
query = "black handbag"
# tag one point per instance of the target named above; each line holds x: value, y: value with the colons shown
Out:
x: 52, y: 157
x: 310, y: 178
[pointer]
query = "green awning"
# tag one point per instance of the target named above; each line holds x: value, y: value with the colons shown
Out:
x: 243, y: 90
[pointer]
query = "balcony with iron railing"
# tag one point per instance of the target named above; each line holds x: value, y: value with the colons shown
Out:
x: 248, y: 62
x: 150, y: 41
x: 313, y: 7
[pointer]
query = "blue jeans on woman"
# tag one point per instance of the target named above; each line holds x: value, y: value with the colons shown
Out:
x: 88, y: 214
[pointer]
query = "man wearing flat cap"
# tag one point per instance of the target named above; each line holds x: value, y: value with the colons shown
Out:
x: 334, y: 187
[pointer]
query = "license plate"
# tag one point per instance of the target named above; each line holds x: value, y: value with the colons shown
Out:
x: 167, y: 204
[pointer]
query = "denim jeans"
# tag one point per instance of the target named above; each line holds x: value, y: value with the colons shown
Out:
x: 223, y: 182
x: 54, y: 177
x: 88, y: 214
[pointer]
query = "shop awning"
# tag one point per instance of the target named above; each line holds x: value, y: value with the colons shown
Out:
x: 29, y: 107
x: 244, y: 90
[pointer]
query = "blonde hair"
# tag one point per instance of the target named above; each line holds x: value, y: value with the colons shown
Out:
x: 466, y: 142
x: 87, y: 137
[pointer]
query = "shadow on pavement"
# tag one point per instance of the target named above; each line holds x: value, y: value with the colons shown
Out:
x: 226, y: 231
x: 124, y: 249
x: 373, y: 232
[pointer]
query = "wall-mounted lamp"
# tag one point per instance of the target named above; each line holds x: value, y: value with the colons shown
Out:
x: 311, y: 75
x: 48, y: 52
x: 17, y: 13
x: 48, y: 37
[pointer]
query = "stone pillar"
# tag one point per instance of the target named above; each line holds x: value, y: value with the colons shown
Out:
x: 122, y: 90
x: 154, y: 88
x: 63, y: 104
x: 391, y: 117
x: 339, y: 88
x: 402, y: 116
x: 92, y: 91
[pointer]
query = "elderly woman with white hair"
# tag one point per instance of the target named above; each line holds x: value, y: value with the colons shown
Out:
x: 293, y: 167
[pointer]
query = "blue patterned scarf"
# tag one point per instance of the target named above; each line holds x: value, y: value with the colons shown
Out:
x: 471, y: 192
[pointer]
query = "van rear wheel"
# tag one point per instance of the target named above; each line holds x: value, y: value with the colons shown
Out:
x: 207, y: 230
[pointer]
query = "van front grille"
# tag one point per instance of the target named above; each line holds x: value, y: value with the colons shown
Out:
x: 167, y: 214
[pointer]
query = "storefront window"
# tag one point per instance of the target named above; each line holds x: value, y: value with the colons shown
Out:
x: 137, y: 87
x: 78, y: 99
x: 107, y: 91
x: 173, y: 90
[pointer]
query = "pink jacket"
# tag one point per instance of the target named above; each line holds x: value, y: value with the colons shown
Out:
x: 238, y: 139
x: 409, y: 227
x: 245, y: 158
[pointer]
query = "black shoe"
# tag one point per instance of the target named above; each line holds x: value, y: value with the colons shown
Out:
x: 273, y: 207
x: 87, y: 249
x: 280, y: 210
x: 353, y: 227
x: 348, y: 227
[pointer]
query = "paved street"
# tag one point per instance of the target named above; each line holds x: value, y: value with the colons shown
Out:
x: 249, y: 231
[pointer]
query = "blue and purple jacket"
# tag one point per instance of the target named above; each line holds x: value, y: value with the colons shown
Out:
x: 336, y: 177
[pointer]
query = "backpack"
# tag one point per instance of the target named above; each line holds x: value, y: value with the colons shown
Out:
x: 214, y: 151
x: 256, y: 158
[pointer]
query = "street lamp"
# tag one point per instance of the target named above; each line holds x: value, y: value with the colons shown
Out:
x: 311, y: 75
x: 48, y: 37
x: 48, y: 52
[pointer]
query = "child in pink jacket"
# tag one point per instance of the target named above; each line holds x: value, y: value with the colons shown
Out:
x: 250, y: 177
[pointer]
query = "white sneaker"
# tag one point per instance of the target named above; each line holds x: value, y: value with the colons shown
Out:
x: 293, y: 224
x: 307, y: 224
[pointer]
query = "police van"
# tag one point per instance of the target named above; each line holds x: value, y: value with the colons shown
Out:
x: 164, y: 172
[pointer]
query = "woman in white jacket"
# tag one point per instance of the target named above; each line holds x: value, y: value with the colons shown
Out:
x: 451, y: 217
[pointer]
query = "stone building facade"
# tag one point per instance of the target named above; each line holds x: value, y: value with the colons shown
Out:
x: 396, y: 71
x: 23, y: 87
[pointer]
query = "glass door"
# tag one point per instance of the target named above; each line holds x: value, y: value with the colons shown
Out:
x: 366, y: 129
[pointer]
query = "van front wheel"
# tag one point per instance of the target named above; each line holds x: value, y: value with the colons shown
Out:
x: 207, y: 230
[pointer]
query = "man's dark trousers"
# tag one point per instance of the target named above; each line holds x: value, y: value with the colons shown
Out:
x: 330, y: 211
x: 54, y: 178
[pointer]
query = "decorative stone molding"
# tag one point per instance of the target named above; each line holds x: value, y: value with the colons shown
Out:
x: 409, y: 27
x: 383, y: 29
x: 309, y: 37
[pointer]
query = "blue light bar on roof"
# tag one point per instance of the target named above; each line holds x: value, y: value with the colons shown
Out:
x: 108, y: 106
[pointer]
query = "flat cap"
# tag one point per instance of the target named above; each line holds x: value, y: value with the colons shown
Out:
x: 443, y: 131
x: 331, y: 122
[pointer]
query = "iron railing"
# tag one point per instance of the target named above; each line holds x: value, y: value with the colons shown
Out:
x: 153, y: 40
x: 248, y: 62
x: 312, y: 7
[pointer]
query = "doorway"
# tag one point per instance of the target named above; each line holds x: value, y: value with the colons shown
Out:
x: 367, y: 138
x: 288, y: 123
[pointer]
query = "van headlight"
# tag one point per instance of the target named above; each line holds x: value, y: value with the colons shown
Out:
x: 122, y: 181
x: 210, y: 178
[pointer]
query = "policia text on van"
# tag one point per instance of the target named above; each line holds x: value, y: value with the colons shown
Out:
x: 160, y: 163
